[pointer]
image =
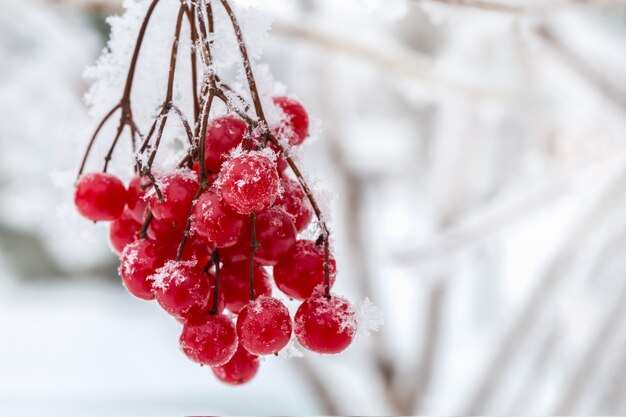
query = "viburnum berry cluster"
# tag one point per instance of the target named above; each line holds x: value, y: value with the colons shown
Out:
x: 205, y: 239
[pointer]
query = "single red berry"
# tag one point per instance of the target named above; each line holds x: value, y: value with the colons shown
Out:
x: 325, y: 325
x: 235, y: 283
x: 239, y: 370
x: 264, y: 326
x: 170, y: 233
x: 123, y: 231
x: 138, y: 263
x: 215, y: 221
x: 294, y: 201
x: 223, y: 135
x: 209, y: 340
x: 179, y: 190
x: 100, y: 197
x: 249, y: 182
x: 302, y: 270
x: 276, y: 235
x: 137, y: 190
x: 295, y: 125
x: 182, y: 288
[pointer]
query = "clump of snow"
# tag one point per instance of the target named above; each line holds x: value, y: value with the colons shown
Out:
x: 172, y: 271
x: 370, y: 318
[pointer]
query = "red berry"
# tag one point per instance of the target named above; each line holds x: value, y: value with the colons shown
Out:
x: 178, y: 189
x: 123, y: 232
x: 215, y: 221
x: 223, y: 135
x: 100, y: 197
x: 295, y: 125
x: 264, y: 326
x: 302, y: 270
x: 138, y: 263
x: 249, y: 182
x: 294, y: 201
x: 239, y: 370
x: 209, y: 340
x: 276, y: 235
x: 182, y: 288
x: 235, y: 281
x: 325, y: 325
x: 137, y: 190
x: 166, y: 232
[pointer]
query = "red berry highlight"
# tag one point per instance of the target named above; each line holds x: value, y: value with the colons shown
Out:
x: 249, y: 182
x: 209, y: 340
x: 325, y: 325
x: 302, y: 270
x: 264, y: 326
x: 100, y: 197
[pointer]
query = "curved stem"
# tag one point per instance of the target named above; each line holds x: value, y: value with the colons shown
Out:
x: 93, y: 138
x: 247, y: 64
x: 133, y: 62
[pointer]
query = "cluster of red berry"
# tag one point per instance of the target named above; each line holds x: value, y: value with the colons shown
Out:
x: 199, y: 250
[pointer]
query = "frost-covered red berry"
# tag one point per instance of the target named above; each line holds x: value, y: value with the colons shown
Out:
x: 249, y: 182
x: 182, y: 288
x: 137, y: 190
x: 215, y: 221
x: 178, y: 189
x: 302, y: 270
x: 276, y: 235
x: 235, y: 284
x: 123, y: 231
x: 325, y: 325
x: 240, y: 369
x: 295, y: 125
x: 223, y: 135
x: 294, y: 201
x: 264, y: 326
x: 138, y: 262
x: 209, y: 340
x: 100, y: 197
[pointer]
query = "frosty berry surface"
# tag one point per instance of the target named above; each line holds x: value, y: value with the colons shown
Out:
x: 217, y: 240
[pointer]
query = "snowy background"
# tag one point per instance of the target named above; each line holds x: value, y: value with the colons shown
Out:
x: 477, y: 154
